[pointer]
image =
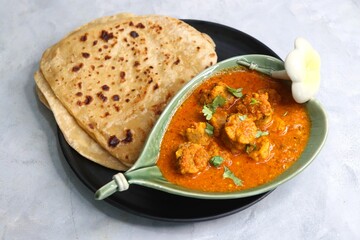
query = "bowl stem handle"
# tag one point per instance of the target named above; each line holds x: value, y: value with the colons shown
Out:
x: 279, y: 74
x: 119, y: 183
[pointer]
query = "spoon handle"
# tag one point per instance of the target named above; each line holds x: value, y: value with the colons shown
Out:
x: 119, y: 183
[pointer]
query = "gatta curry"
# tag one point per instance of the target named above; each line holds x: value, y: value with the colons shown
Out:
x: 237, y: 130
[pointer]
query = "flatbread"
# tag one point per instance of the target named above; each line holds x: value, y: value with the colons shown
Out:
x: 40, y: 94
x: 75, y: 136
x: 115, y: 75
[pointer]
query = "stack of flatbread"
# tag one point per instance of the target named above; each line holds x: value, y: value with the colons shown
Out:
x: 108, y: 81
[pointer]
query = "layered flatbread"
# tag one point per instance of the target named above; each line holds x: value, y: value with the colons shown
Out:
x: 75, y: 136
x: 115, y: 75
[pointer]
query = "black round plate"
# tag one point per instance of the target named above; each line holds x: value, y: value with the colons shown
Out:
x: 159, y: 205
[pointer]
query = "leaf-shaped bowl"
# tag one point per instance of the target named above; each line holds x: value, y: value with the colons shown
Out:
x: 145, y: 172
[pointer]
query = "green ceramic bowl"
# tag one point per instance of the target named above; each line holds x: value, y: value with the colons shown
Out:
x: 146, y: 173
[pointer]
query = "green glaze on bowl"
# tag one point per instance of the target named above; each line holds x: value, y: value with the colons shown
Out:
x: 146, y: 173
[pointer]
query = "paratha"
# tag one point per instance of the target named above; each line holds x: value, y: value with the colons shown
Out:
x: 75, y: 136
x: 115, y: 75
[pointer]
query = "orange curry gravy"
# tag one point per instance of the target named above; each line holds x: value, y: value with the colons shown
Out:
x: 286, y: 145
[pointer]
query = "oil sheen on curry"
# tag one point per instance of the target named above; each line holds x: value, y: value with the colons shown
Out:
x: 238, y: 130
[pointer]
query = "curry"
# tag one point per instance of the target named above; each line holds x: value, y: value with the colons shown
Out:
x: 237, y: 130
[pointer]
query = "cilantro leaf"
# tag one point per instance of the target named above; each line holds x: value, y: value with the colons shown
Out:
x: 243, y: 117
x: 237, y: 92
x: 229, y: 174
x: 209, y: 109
x: 209, y: 129
x: 216, y: 161
x: 218, y: 102
x: 261, y: 133
x: 250, y: 147
x: 254, y: 101
x: 207, y: 112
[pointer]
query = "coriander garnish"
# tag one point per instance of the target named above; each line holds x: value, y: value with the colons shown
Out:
x: 237, y: 92
x: 208, y: 112
x: 261, y: 133
x: 242, y: 117
x: 254, y: 101
x: 209, y: 129
x: 218, y: 102
x: 216, y: 161
x: 250, y: 147
x: 229, y: 174
x: 209, y: 109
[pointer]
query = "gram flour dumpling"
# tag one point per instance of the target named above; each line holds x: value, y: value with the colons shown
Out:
x: 116, y: 75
